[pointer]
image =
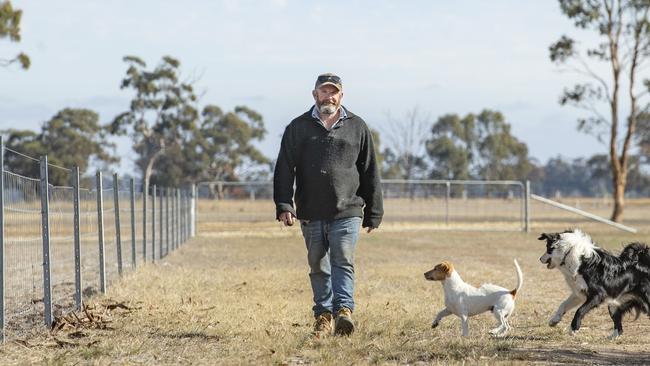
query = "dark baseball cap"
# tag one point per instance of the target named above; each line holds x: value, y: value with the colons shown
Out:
x: 328, y: 79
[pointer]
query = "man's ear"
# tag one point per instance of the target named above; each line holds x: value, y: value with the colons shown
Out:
x: 313, y: 94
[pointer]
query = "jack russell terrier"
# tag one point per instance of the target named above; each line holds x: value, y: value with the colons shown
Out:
x: 465, y: 300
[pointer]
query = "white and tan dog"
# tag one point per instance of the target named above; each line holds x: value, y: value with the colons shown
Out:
x: 465, y: 300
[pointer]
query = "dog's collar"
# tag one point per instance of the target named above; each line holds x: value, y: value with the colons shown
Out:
x: 564, y: 259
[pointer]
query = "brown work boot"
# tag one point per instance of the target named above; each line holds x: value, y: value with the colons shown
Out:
x: 323, y: 324
x: 343, y: 324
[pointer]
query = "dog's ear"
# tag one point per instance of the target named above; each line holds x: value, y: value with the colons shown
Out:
x: 549, y: 237
x: 447, y: 267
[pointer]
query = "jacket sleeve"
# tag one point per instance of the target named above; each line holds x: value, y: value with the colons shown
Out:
x: 370, y: 182
x: 284, y: 175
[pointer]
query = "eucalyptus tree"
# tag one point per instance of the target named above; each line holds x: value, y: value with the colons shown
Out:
x: 72, y: 137
x: 162, y: 113
x: 451, y: 146
x: 227, y: 142
x: 477, y: 146
x: 10, y: 28
x: 612, y: 97
x: 222, y: 148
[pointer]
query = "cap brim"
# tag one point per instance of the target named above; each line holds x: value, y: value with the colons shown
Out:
x: 337, y: 86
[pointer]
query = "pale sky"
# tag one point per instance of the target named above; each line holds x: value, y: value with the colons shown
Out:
x: 441, y: 56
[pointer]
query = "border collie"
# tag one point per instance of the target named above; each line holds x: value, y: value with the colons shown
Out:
x: 465, y: 300
x: 595, y: 276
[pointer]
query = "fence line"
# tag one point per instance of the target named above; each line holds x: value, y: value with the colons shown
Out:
x: 61, y: 245
x: 437, y: 204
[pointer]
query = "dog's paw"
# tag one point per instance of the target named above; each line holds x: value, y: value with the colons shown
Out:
x: 435, y: 324
x: 614, y: 335
x: 554, y: 321
x: 573, y: 332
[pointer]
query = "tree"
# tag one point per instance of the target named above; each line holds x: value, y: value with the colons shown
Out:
x: 500, y: 155
x: 567, y: 177
x: 26, y: 142
x: 220, y: 149
x: 624, y: 33
x: 643, y: 136
x: 227, y: 142
x: 162, y: 112
x: 476, y: 146
x: 451, y: 147
x: 72, y: 137
x: 404, y: 154
x: 10, y: 27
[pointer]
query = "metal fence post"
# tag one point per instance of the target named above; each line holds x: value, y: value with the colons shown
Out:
x: 186, y: 212
x: 118, y: 233
x: 447, y: 197
x: 100, y: 231
x: 179, y: 218
x: 153, y: 224
x: 77, y: 238
x: 145, y: 193
x: 45, y: 226
x: 182, y: 216
x: 527, y: 207
x: 2, y: 240
x: 193, y: 206
x: 160, y: 222
x: 132, y: 199
x: 173, y: 219
x: 178, y: 214
x: 167, y: 228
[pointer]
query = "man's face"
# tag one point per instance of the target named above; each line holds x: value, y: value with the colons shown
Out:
x: 328, y: 99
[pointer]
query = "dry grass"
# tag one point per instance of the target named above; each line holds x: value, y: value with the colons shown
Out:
x: 240, y: 294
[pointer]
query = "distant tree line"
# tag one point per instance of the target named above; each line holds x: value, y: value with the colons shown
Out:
x: 481, y: 146
x: 176, y: 141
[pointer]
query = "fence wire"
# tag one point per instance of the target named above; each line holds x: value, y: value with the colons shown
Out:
x: 23, y: 237
x: 88, y: 241
x: 62, y: 267
x: 445, y: 205
x: 23, y: 254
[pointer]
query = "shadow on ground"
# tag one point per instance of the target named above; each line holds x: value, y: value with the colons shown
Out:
x: 579, y: 356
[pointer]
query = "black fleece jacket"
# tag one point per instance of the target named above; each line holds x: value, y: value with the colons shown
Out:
x: 335, y: 171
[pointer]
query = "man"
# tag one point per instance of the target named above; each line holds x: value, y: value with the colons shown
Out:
x: 329, y: 153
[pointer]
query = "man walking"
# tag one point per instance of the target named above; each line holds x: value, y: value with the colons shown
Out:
x: 328, y: 152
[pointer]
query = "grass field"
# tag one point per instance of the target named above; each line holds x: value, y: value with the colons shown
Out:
x: 239, y: 294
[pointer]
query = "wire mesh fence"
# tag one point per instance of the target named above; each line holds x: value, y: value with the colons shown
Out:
x: 22, y: 274
x: 59, y: 245
x: 445, y: 205
x: 431, y: 204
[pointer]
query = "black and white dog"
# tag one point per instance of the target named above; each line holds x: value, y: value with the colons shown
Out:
x: 596, y: 276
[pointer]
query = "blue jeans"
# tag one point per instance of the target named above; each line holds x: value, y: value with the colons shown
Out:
x: 330, y: 253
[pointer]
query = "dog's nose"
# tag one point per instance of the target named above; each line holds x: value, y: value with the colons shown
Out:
x: 545, y: 258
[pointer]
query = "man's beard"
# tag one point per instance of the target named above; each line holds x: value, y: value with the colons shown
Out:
x: 328, y: 108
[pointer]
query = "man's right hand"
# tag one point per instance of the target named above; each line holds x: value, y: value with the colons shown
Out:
x: 287, y: 218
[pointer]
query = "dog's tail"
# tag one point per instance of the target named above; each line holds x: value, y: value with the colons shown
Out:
x: 520, y: 280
